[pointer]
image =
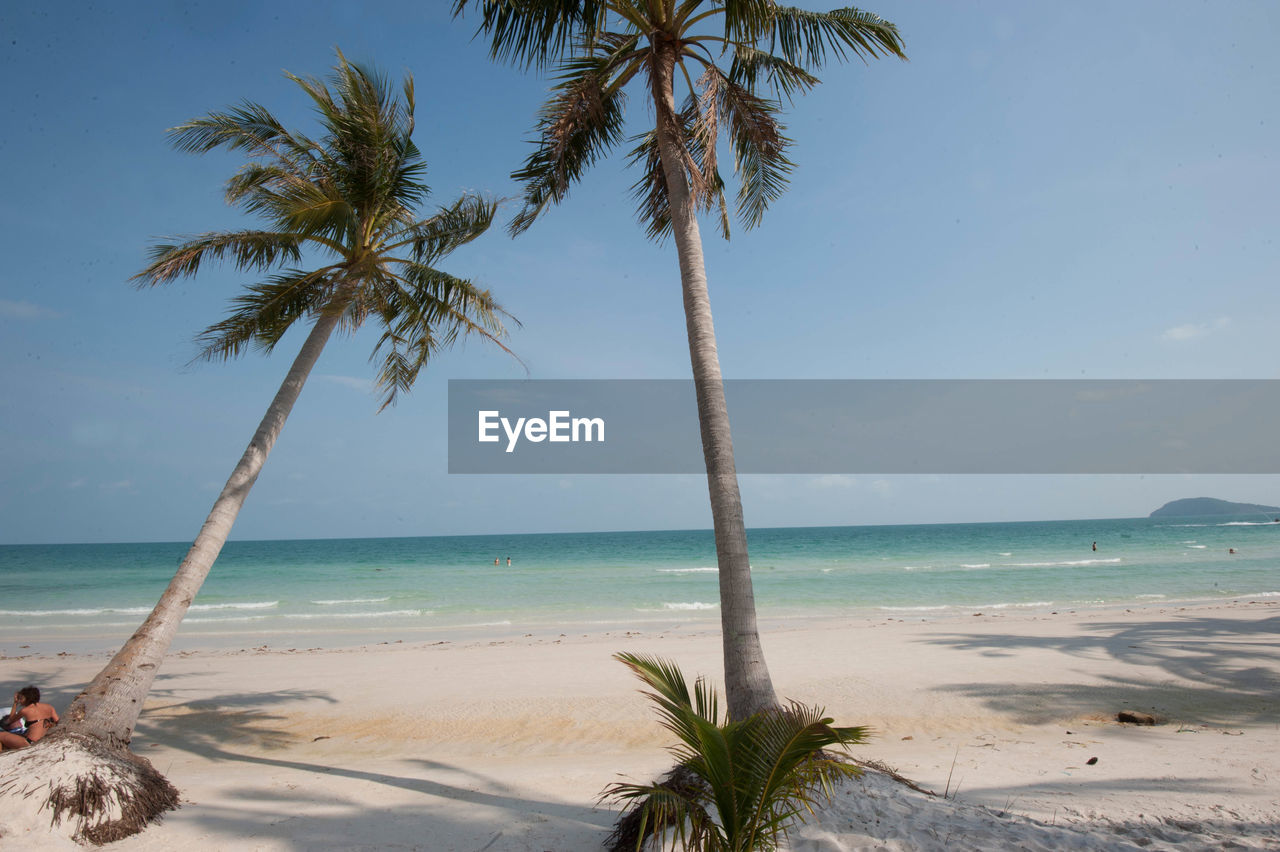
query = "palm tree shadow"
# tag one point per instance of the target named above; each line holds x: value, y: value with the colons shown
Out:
x: 244, y: 728
x: 1196, y: 669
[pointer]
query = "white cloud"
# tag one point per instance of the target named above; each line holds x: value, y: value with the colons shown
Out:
x: 25, y: 310
x: 1191, y: 331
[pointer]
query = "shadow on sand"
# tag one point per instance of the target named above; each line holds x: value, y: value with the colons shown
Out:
x: 415, y: 809
x: 1193, y: 670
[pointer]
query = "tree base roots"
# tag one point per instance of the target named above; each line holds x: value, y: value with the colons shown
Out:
x: 631, y: 825
x: 82, y: 788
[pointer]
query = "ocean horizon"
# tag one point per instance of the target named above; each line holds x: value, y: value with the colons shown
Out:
x: 318, y: 592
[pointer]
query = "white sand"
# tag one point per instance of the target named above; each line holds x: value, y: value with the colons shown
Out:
x: 506, y: 744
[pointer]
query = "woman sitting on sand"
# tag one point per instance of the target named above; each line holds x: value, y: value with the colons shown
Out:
x: 36, y: 717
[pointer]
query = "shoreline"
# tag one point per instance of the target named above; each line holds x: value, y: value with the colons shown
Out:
x: 100, y: 644
x: 507, y: 741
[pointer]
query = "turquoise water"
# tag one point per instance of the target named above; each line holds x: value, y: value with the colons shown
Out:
x: 368, y: 590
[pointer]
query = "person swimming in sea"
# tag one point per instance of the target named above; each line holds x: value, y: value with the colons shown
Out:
x: 36, y: 720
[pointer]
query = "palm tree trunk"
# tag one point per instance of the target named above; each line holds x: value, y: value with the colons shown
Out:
x: 748, y: 686
x: 109, y: 706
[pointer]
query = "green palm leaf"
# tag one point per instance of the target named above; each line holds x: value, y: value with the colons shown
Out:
x: 738, y: 783
x: 262, y: 314
x: 752, y: 67
x: 769, y: 46
x: 350, y: 194
x: 246, y: 249
x: 803, y: 37
x: 580, y: 123
x: 534, y: 33
x: 453, y: 227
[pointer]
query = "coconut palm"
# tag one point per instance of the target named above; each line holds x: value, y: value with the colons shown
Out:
x: 737, y: 783
x: 341, y: 244
x: 738, y: 60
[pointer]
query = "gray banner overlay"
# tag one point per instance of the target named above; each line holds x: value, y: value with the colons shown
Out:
x: 871, y: 426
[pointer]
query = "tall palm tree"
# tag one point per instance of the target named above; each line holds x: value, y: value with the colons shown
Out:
x: 342, y: 243
x: 738, y: 60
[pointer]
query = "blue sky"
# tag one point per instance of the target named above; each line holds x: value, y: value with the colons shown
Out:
x: 1043, y: 191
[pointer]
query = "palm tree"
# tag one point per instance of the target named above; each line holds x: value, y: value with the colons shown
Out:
x: 341, y: 244
x: 601, y: 46
x: 737, y: 783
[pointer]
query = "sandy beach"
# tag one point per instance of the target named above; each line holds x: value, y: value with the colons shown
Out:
x: 502, y: 743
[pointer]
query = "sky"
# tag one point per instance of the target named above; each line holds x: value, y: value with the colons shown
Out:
x: 1057, y: 191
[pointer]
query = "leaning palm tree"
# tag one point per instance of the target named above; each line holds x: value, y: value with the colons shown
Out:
x: 342, y: 243
x: 599, y: 47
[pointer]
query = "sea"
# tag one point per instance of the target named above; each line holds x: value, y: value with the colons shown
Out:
x: 84, y: 598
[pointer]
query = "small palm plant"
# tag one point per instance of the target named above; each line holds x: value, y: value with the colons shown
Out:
x: 737, y: 783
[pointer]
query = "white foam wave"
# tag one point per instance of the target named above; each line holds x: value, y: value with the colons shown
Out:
x: 1006, y: 553
x: 1260, y: 595
x: 1152, y: 596
x: 912, y: 608
x: 380, y: 614
x: 688, y: 570
x: 975, y: 565
x: 351, y: 601
x: 226, y: 620
x: 1115, y: 561
x: 1197, y: 546
x: 1246, y: 524
x: 135, y: 610
x: 247, y: 605
x: 1015, y: 605
x: 684, y: 606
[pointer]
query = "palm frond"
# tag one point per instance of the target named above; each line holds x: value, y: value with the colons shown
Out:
x: 248, y: 250
x: 255, y: 177
x: 427, y: 311
x: 804, y: 37
x: 755, y: 775
x: 650, y: 189
x: 653, y: 205
x: 746, y: 21
x: 249, y: 127
x: 454, y: 226
x: 264, y: 311
x: 351, y: 193
x: 534, y: 33
x: 579, y: 124
x: 370, y: 160
x: 752, y: 66
x: 308, y: 208
x: 759, y: 146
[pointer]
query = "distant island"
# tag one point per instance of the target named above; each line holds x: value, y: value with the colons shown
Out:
x: 1200, y: 506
